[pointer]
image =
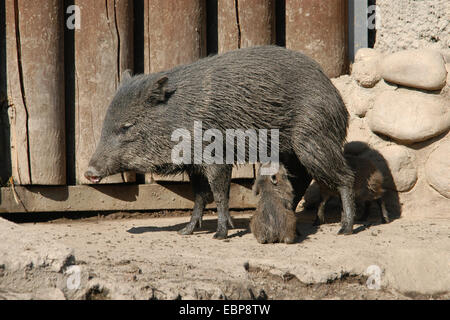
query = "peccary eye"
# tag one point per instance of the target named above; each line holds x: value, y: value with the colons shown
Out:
x: 273, y: 179
x: 124, y: 128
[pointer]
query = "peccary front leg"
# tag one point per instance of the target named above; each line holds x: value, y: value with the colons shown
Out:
x: 202, y: 196
x: 348, y: 210
x: 219, y: 178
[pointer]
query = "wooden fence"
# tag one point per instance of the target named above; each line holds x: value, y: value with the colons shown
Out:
x: 56, y: 84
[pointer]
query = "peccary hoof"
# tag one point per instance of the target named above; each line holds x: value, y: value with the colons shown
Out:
x: 188, y: 230
x: 346, y: 230
x: 220, y: 235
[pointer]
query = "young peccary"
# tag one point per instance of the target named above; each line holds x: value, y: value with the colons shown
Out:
x: 368, y: 187
x: 274, y: 220
x: 249, y: 90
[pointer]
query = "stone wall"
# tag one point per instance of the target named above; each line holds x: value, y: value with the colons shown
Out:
x: 413, y: 24
x: 400, y: 114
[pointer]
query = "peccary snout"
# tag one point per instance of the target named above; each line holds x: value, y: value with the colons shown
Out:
x: 93, y: 175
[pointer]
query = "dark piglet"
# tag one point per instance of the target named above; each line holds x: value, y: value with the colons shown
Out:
x: 256, y: 88
x: 368, y: 187
x: 274, y: 219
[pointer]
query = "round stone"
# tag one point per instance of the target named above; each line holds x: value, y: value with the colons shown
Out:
x: 437, y: 169
x: 421, y: 69
x: 366, y: 73
x: 365, y: 54
x: 408, y: 116
x: 360, y: 101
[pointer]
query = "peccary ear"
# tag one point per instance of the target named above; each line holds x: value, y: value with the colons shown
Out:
x: 159, y: 91
x: 126, y: 76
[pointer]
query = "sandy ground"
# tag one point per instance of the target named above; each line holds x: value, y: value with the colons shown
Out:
x: 141, y: 256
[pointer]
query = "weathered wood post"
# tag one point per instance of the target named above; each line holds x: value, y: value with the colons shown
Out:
x: 175, y: 33
x: 319, y: 29
x: 243, y: 24
x: 103, y: 50
x: 35, y: 86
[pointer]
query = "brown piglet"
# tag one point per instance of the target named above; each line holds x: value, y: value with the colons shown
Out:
x: 274, y: 219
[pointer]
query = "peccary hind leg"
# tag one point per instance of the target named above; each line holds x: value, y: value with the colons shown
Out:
x: 202, y: 196
x: 219, y: 178
x: 348, y: 210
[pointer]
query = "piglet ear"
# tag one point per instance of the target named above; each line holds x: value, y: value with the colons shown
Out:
x: 126, y: 76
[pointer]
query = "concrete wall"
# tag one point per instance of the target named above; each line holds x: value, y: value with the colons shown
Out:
x: 413, y: 24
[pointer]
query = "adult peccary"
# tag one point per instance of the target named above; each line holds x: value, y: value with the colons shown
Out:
x: 274, y: 219
x: 368, y: 187
x: 255, y: 88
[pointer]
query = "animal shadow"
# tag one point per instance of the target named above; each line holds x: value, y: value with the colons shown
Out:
x: 208, y: 226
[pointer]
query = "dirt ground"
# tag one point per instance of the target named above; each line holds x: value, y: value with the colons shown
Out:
x: 141, y: 256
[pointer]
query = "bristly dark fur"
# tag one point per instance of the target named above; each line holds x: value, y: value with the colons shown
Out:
x: 264, y: 87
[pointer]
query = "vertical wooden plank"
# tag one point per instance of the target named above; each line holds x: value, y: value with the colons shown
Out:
x: 245, y: 23
x: 257, y: 22
x: 242, y: 24
x: 16, y: 111
x: 35, y: 67
x: 103, y: 50
x: 175, y: 33
x: 319, y: 29
x: 227, y: 26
